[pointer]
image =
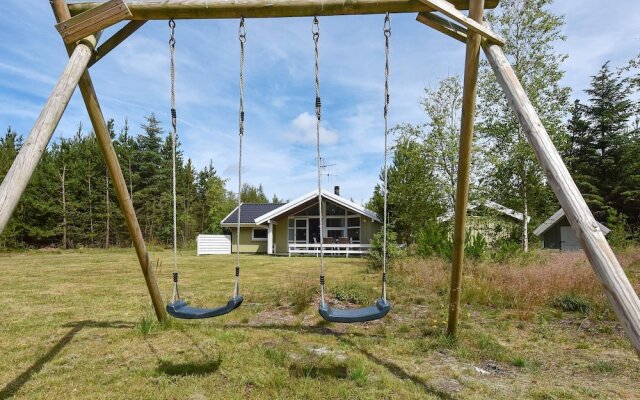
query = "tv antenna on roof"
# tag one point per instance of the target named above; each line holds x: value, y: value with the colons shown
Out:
x: 327, y: 170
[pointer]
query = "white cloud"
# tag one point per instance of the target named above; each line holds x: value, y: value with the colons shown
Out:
x: 302, y: 130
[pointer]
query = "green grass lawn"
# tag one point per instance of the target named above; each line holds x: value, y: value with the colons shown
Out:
x: 79, y: 324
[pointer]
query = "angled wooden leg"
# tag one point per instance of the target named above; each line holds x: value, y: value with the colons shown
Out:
x: 61, y: 12
x: 18, y: 176
x: 464, y: 165
x: 615, y: 283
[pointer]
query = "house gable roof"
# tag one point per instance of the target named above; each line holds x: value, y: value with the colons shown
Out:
x: 248, y: 213
x: 555, y: 218
x: 341, y: 201
x: 491, y: 205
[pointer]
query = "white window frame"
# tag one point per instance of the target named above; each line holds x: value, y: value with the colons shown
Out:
x: 255, y: 239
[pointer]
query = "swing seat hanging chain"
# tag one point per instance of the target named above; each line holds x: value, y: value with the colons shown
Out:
x: 174, y: 124
x: 172, y: 47
x: 387, y: 36
x: 315, y: 29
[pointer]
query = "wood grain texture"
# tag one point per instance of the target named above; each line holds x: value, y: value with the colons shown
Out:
x: 25, y: 163
x: 472, y: 61
x: 452, y: 12
x: 443, y: 25
x: 87, y: 90
x: 93, y: 20
x: 201, y: 9
x: 615, y: 283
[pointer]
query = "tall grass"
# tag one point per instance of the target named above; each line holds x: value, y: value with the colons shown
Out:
x: 564, y: 280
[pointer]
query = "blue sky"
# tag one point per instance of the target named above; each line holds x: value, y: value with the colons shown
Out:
x: 133, y: 81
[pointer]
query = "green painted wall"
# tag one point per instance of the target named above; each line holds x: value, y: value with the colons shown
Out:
x: 247, y: 245
x: 492, y: 227
x: 368, y: 228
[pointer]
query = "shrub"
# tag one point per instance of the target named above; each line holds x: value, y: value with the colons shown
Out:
x: 572, y: 303
x: 434, y: 241
x: 394, y: 252
x: 475, y: 246
x: 351, y: 293
x: 505, y: 249
x: 301, y: 294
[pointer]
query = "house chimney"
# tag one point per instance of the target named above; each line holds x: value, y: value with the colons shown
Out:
x: 336, y: 190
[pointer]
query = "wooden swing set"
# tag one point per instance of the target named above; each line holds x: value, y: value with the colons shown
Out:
x: 81, y: 25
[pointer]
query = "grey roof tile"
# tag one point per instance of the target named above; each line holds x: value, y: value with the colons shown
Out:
x: 249, y: 212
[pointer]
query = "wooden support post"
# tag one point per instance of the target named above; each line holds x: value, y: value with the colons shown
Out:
x: 615, y: 283
x: 444, y: 26
x: 116, y: 39
x: 270, y: 238
x: 218, y: 9
x: 18, y: 176
x: 106, y: 146
x: 472, y: 59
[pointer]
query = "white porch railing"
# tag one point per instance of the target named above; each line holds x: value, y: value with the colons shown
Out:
x: 329, y: 249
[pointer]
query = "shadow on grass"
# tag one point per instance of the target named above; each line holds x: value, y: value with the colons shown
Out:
x: 12, y: 387
x: 315, y: 372
x: 190, y: 368
x: 399, y: 372
x: 319, y: 330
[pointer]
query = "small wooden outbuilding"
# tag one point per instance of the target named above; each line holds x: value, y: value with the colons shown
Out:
x: 556, y: 233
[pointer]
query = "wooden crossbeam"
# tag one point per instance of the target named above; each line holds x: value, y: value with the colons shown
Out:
x: 443, y: 25
x: 93, y: 20
x: 218, y: 9
x: 452, y: 12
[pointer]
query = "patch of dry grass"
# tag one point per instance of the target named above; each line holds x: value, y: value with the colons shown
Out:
x: 543, y: 280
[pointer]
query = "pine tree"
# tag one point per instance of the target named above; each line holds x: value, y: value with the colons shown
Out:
x: 603, y: 147
x: 414, y: 195
x: 516, y: 179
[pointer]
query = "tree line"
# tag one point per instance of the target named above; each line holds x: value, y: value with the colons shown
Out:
x: 599, y: 138
x: 70, y: 201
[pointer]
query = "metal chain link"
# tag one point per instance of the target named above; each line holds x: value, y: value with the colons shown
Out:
x: 174, y: 123
x: 242, y: 37
x: 315, y: 30
x: 387, y: 36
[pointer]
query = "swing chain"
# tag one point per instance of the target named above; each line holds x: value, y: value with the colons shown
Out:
x: 174, y: 123
x: 387, y: 36
x: 242, y: 37
x: 172, y: 48
x: 315, y: 29
x: 242, y: 32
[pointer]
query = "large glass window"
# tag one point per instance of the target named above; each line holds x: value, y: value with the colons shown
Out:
x: 335, y: 222
x: 312, y: 211
x: 333, y: 209
x: 301, y: 231
x: 354, y: 234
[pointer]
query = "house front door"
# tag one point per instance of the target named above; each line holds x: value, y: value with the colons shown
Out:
x: 314, y: 230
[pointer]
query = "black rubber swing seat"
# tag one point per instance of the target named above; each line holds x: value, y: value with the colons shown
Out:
x: 349, y: 315
x: 180, y: 309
